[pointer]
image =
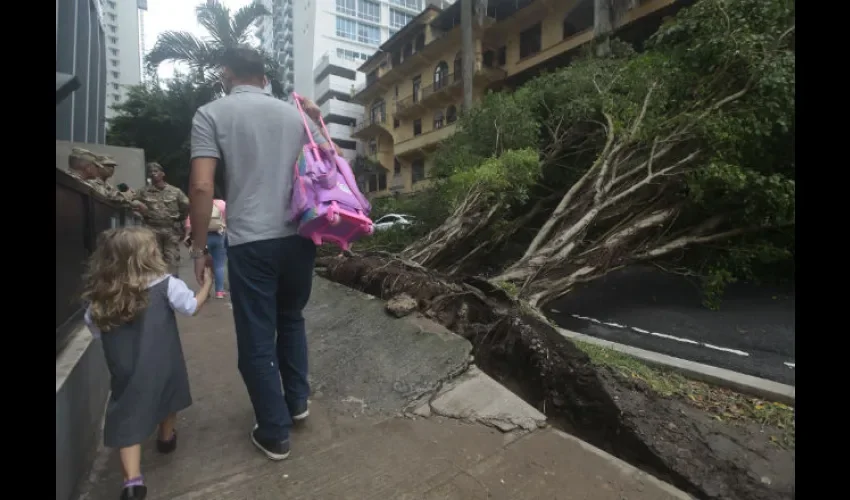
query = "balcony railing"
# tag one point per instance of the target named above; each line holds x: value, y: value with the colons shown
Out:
x: 81, y: 215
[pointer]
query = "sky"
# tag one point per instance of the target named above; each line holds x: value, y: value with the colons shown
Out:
x: 175, y: 15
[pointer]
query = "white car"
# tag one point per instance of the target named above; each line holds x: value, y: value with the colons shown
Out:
x: 394, y: 220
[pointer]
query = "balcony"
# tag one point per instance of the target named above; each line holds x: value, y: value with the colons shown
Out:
x: 342, y: 108
x: 371, y: 127
x: 398, y: 183
x: 421, y: 145
x: 441, y: 93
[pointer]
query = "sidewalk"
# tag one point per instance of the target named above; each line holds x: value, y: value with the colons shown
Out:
x: 371, y: 374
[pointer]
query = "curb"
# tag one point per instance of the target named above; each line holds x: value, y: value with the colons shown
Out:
x: 747, y: 384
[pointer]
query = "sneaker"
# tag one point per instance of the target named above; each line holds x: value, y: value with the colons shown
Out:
x: 219, y: 295
x: 138, y: 492
x: 299, y: 411
x: 275, y: 450
x: 166, y: 447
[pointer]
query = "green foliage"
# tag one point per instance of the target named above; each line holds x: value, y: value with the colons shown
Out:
x: 718, y: 77
x: 158, y: 120
x: 225, y: 29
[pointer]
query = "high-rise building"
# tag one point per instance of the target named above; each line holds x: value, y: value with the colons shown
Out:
x: 333, y: 38
x: 80, y: 52
x: 123, y: 48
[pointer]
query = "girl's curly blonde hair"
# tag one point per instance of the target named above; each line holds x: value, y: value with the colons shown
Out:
x: 122, y: 266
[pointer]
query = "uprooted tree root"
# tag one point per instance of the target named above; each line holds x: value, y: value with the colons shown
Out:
x: 662, y: 436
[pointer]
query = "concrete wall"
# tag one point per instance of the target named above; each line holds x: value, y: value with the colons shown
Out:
x: 131, y: 161
x: 82, y: 388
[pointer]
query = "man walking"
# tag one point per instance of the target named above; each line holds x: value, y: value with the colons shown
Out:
x: 270, y: 267
x: 167, y: 208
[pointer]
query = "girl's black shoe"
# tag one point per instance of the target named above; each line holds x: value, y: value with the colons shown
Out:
x: 166, y: 447
x: 138, y: 492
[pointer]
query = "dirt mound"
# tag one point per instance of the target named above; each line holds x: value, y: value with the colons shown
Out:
x: 665, y: 436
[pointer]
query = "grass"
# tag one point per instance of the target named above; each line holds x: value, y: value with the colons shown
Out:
x: 723, y: 404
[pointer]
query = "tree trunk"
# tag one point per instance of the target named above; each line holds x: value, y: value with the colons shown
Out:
x: 468, y: 52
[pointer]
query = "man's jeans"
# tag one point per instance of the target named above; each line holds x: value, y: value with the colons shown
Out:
x: 270, y: 284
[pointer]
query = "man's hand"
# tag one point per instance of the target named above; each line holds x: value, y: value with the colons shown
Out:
x: 310, y: 109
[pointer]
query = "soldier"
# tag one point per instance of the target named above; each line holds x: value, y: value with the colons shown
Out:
x: 167, y: 208
x: 83, y: 166
x: 105, y: 171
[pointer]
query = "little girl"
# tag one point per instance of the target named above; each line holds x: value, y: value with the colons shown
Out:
x: 132, y: 300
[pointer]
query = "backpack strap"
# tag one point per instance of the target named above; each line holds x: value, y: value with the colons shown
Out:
x: 313, y: 146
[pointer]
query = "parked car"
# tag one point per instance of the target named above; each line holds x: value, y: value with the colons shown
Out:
x: 394, y: 220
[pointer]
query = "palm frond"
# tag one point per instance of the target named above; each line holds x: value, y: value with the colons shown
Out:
x: 215, y: 18
x: 242, y: 20
x: 180, y: 46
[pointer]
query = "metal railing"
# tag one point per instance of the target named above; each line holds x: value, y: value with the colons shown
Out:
x: 81, y: 215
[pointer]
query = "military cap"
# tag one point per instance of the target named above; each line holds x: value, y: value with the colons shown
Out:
x: 85, y: 155
x: 107, y: 161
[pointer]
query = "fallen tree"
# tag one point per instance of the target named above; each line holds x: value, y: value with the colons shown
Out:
x: 634, y: 157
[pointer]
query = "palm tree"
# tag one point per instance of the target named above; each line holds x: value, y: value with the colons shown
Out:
x: 203, y: 55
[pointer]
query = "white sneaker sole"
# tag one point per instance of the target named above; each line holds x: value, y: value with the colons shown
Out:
x: 270, y: 455
x: 301, y: 416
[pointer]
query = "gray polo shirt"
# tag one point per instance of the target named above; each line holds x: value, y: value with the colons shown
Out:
x: 259, y: 138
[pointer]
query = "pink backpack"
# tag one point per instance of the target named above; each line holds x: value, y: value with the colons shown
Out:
x: 326, y: 202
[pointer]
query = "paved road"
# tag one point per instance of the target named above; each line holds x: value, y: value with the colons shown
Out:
x: 753, y: 332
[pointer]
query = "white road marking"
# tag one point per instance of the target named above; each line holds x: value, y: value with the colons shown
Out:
x: 665, y: 336
x: 790, y: 365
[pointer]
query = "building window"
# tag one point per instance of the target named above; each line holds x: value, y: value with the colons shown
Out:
x: 396, y: 123
x: 407, y: 51
x: 438, y: 120
x: 114, y: 86
x: 458, y: 67
x: 382, y: 181
x: 441, y: 75
x: 113, y: 39
x: 368, y: 34
x: 579, y: 19
x: 419, y: 43
x: 502, y: 56
x: 487, y: 59
x: 112, y: 17
x: 114, y: 62
x: 373, y: 183
x: 351, y: 55
x: 347, y: 7
x: 393, y: 32
x: 399, y: 19
x: 116, y: 97
x: 369, y: 11
x: 113, y: 28
x: 396, y: 167
x: 379, y: 111
x: 373, y: 147
x: 114, y: 52
x: 111, y: 4
x: 346, y: 28
x: 418, y: 170
x: 410, y: 4
x: 451, y: 114
x: 115, y: 74
x: 417, y: 84
x: 530, y: 41
x: 417, y: 127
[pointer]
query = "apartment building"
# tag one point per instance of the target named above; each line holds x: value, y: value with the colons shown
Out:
x: 413, y: 91
x: 275, y: 34
x: 121, y: 22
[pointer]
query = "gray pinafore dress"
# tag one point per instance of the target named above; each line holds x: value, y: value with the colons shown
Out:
x: 148, y: 372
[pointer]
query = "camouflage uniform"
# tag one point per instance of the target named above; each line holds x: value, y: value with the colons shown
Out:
x: 83, y: 156
x: 166, y: 213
